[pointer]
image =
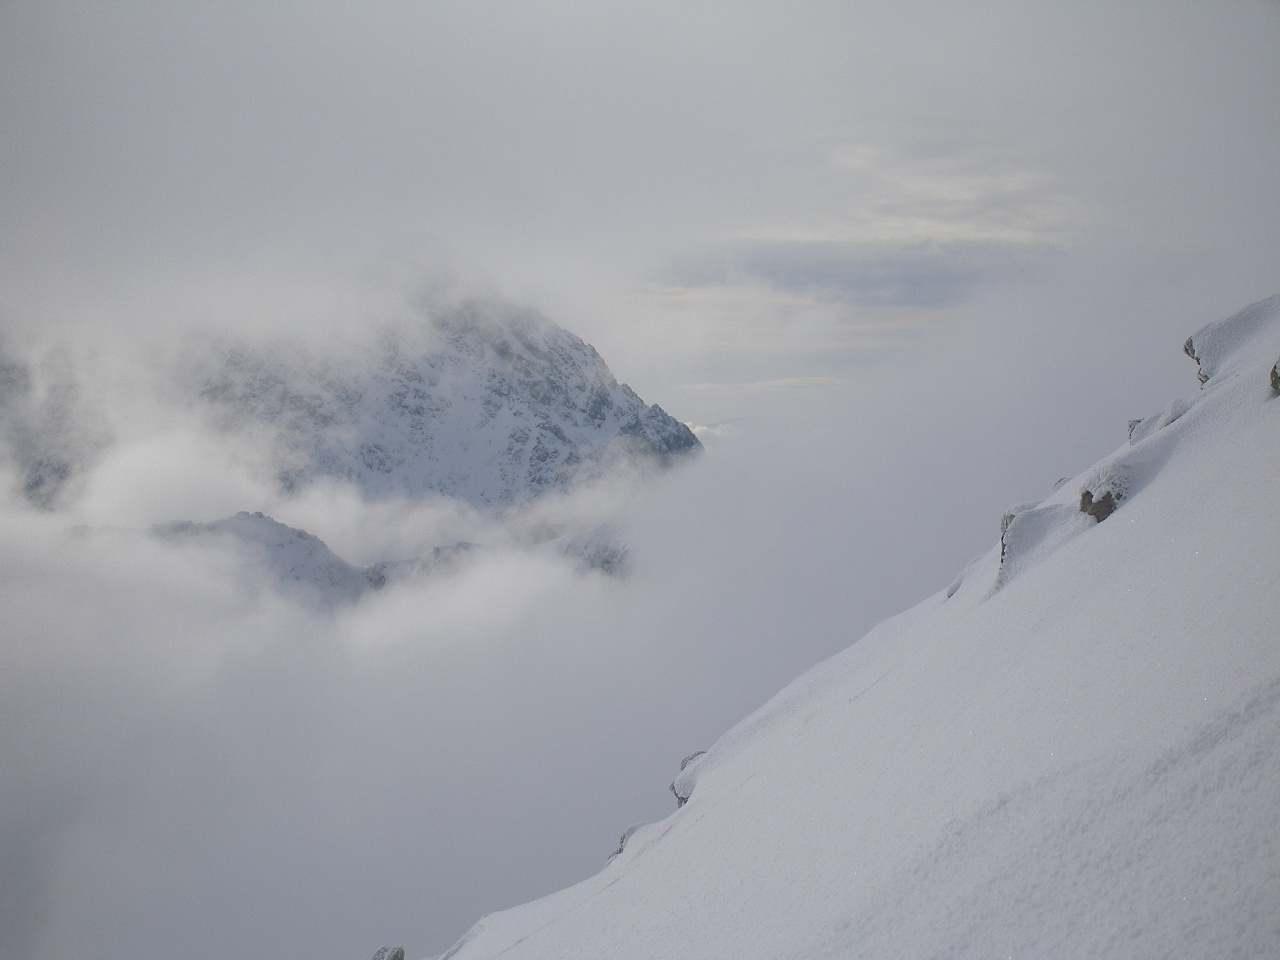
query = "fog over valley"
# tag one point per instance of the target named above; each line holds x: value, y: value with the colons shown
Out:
x: 421, y: 428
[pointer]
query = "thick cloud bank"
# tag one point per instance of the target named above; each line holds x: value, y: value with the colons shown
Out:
x: 201, y: 760
x: 897, y: 268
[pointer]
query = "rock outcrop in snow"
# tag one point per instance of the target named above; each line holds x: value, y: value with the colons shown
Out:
x: 1222, y: 346
x: 1073, y: 751
x: 488, y: 408
x: 682, y: 786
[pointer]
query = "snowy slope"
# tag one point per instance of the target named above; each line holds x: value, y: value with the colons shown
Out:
x: 485, y: 407
x: 1073, y: 751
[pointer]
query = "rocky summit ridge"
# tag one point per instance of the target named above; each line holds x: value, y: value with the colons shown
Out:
x: 488, y: 404
x: 489, y: 409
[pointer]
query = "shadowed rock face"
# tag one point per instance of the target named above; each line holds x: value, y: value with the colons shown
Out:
x: 389, y: 953
x: 301, y: 566
x: 683, y: 785
x: 1275, y: 377
x: 488, y: 409
x: 1189, y: 348
x: 1099, y: 509
x: 488, y: 405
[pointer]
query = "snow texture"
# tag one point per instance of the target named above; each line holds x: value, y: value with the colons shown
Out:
x: 1074, y: 751
x: 488, y: 407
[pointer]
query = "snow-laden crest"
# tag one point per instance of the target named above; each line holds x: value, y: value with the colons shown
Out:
x: 490, y: 407
x: 1223, y: 350
x: 1073, y: 751
x: 1218, y: 346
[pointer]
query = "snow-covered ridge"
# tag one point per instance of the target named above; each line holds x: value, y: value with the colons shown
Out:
x: 477, y: 401
x: 490, y: 408
x: 1072, y: 751
x: 301, y: 566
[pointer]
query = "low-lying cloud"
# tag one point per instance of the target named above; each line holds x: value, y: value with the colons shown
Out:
x: 197, y: 763
x: 908, y: 266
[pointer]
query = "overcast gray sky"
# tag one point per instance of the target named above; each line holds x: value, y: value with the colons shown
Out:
x: 909, y: 266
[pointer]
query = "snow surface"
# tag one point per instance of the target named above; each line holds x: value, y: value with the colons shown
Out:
x: 1074, y: 751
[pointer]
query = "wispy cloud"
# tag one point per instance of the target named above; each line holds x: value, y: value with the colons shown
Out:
x: 926, y: 274
x: 897, y: 231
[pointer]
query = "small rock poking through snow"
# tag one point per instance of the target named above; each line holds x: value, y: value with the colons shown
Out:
x: 682, y: 786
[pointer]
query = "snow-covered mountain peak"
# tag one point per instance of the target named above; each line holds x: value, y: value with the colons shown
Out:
x: 489, y: 404
x: 490, y: 407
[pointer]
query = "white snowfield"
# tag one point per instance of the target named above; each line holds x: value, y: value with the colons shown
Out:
x: 1074, y: 751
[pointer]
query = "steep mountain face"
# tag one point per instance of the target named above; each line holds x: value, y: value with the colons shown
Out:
x: 486, y: 404
x: 488, y: 409
x: 1072, y: 751
x: 301, y: 566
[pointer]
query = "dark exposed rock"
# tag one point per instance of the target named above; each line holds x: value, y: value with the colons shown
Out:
x: 622, y: 841
x: 389, y: 953
x: 682, y: 787
x: 478, y: 402
x: 1101, y: 508
x: 1189, y: 348
x: 1275, y: 377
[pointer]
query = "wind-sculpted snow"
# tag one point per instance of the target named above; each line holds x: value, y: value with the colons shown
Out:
x: 488, y: 409
x: 1072, y: 751
x: 1222, y: 345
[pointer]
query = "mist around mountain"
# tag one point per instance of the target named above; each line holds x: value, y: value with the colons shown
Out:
x: 1072, y: 750
x: 473, y: 402
x: 360, y: 719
